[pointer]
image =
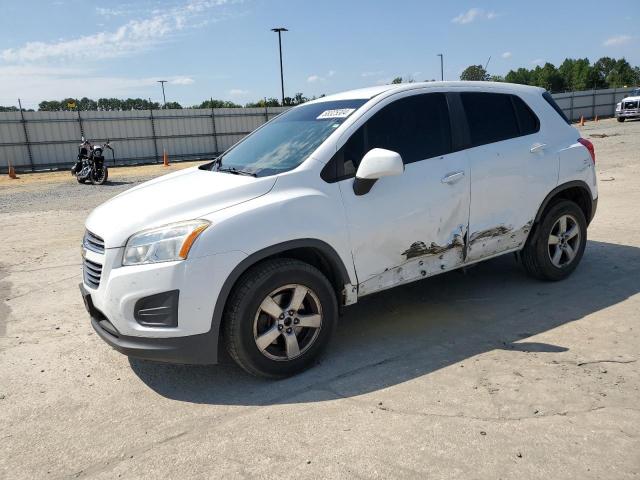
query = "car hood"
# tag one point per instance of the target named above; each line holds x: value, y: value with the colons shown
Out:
x: 184, y: 195
x: 631, y: 99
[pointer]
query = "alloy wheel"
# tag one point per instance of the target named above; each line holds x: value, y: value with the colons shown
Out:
x: 287, y: 322
x: 564, y: 241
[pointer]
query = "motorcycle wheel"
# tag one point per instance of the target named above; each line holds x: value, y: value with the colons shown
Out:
x: 99, y: 178
x: 80, y: 180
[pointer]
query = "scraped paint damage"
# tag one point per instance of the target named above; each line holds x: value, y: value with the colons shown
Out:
x: 418, y: 249
x: 489, y: 242
x: 424, y: 260
x: 421, y: 261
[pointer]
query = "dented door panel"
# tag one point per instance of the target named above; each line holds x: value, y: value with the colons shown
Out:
x: 410, y: 226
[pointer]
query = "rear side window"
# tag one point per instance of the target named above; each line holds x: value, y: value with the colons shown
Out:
x: 491, y: 117
x: 547, y: 96
x: 527, y: 120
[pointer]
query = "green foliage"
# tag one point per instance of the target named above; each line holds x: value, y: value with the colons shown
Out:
x: 474, y: 72
x: 578, y: 74
x: 212, y: 103
x: 173, y: 106
x: 396, y: 81
x: 8, y: 109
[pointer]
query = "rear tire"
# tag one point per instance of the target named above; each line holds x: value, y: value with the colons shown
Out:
x: 279, y: 318
x: 555, y: 248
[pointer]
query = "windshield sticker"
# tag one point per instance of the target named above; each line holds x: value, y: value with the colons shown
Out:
x: 338, y: 113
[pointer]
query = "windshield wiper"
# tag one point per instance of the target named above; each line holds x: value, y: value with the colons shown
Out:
x: 236, y: 171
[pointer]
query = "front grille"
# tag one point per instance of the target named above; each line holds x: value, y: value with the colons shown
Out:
x: 93, y: 242
x: 630, y: 105
x: 91, y: 273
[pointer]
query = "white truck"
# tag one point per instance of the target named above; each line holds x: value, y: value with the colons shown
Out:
x: 629, y: 107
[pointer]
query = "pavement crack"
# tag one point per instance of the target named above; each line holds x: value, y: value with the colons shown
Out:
x: 580, y: 364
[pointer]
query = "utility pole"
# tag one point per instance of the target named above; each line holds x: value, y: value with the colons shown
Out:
x: 441, y: 66
x: 164, y: 99
x: 279, y: 31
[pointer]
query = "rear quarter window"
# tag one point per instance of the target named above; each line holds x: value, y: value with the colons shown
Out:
x: 547, y: 96
x: 527, y: 120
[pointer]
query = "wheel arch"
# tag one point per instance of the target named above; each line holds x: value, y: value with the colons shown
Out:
x: 315, y: 252
x: 577, y: 191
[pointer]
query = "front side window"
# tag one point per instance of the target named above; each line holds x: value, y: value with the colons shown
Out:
x: 416, y: 127
x: 287, y: 141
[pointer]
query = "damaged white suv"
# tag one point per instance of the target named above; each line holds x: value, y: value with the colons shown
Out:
x: 329, y: 202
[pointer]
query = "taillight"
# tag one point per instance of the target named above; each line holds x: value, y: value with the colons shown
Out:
x: 589, y: 146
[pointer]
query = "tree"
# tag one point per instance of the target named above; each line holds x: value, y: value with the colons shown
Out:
x: 49, y: 106
x: 8, y: 109
x: 396, y: 81
x: 522, y: 76
x: 474, y: 72
x: 622, y: 74
x: 548, y: 78
x: 213, y: 103
x: 173, y: 106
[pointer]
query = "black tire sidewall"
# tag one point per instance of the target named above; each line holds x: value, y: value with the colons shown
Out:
x: 244, y: 315
x: 548, y: 269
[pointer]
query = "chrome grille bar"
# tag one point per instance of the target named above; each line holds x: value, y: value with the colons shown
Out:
x: 93, y: 242
x: 91, y: 272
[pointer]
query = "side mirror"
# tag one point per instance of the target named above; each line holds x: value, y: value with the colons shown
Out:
x: 377, y: 163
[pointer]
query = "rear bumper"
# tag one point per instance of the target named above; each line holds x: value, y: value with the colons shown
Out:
x: 191, y: 349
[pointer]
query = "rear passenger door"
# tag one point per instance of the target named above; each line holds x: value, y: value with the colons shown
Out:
x: 509, y: 163
x: 412, y: 225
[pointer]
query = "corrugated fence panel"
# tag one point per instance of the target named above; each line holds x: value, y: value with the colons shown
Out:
x: 582, y: 104
x: 14, y: 150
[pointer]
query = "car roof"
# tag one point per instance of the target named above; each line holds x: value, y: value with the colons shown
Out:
x: 370, y: 92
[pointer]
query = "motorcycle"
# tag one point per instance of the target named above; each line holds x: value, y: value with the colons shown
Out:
x: 90, y: 164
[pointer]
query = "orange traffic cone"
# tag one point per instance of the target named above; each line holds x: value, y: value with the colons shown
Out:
x: 165, y: 159
x: 12, y: 172
x: 581, y: 121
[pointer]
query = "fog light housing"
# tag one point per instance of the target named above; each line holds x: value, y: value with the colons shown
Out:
x: 159, y: 310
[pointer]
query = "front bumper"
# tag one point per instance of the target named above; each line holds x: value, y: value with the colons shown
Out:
x: 628, y: 113
x: 192, y: 349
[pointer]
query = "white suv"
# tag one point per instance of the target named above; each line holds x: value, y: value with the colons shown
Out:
x: 329, y: 202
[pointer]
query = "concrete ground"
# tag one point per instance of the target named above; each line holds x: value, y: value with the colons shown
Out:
x: 488, y: 374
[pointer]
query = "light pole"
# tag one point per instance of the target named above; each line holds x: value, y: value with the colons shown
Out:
x: 279, y: 30
x: 164, y: 99
x: 441, y: 66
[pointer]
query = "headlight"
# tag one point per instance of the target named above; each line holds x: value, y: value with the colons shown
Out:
x: 163, y: 244
x: 619, y: 106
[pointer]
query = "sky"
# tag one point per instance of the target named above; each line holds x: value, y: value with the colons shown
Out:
x: 224, y: 48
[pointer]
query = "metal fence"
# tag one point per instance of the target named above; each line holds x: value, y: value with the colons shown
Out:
x: 589, y: 103
x: 48, y: 140
x: 32, y: 141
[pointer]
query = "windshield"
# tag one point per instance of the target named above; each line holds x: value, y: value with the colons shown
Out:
x: 287, y: 141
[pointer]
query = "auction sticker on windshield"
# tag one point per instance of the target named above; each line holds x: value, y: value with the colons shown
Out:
x: 337, y: 113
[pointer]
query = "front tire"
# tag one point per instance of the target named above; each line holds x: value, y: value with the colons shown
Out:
x: 280, y: 317
x: 99, y: 178
x: 556, y: 247
x: 620, y: 119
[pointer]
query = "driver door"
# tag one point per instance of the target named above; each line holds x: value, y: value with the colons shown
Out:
x: 413, y: 225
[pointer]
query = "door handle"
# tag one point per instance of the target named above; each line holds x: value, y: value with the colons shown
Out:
x: 452, y: 177
x: 538, y: 147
